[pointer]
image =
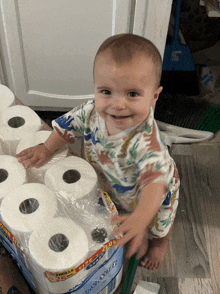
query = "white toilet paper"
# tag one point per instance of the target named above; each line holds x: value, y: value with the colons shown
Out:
x: 7, y: 98
x: 16, y: 123
x: 12, y: 174
x: 36, y: 175
x: 58, y: 246
x: 73, y: 178
x: 1, y: 151
x: 26, y: 208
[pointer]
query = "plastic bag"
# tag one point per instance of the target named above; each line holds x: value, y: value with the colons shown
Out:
x: 60, y: 238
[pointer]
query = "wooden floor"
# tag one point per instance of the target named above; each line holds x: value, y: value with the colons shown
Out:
x: 192, y: 262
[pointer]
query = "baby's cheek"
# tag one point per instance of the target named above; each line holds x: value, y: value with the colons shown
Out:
x: 101, y: 111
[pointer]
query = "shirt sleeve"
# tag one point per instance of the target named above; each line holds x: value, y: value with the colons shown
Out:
x: 154, y: 162
x: 71, y: 125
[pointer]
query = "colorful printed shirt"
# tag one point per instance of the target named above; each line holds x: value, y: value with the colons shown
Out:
x: 125, y: 162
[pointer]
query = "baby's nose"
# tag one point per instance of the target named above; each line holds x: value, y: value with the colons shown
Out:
x: 119, y: 103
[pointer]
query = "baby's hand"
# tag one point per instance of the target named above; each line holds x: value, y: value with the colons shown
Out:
x: 134, y: 230
x: 34, y: 156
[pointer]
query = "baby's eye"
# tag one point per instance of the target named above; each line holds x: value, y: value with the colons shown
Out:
x: 133, y: 94
x: 106, y: 92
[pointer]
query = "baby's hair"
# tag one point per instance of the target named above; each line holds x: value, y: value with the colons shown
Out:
x: 124, y: 47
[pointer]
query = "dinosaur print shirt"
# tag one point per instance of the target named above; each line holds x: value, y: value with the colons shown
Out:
x: 125, y: 162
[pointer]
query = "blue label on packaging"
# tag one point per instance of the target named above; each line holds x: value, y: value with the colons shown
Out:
x: 103, y: 276
x: 112, y: 285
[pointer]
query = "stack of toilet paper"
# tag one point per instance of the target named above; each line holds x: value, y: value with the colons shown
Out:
x: 56, y: 253
x: 57, y: 232
x: 50, y: 218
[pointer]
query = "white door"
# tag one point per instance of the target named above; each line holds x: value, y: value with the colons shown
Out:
x: 48, y: 46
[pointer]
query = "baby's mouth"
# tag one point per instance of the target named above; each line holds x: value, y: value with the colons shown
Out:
x: 120, y: 117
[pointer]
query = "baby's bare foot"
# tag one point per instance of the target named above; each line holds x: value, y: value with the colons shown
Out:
x: 155, y: 254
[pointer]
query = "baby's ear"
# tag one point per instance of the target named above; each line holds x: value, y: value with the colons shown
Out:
x: 156, y: 94
x: 159, y: 90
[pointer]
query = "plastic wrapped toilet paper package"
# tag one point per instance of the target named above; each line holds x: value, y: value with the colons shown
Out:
x: 62, y: 249
x: 36, y: 175
x: 59, y: 231
x: 55, y: 220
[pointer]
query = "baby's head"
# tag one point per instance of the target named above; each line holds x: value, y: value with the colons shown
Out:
x: 127, y: 72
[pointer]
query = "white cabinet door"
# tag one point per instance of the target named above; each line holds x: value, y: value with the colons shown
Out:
x: 48, y: 46
x: 151, y: 20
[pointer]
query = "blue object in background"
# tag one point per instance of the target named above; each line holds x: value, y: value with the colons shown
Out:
x: 177, y: 56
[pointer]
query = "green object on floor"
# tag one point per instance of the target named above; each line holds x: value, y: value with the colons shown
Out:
x: 130, y: 274
x: 211, y: 120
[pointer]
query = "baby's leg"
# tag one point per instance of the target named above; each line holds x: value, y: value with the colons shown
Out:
x: 160, y: 229
x: 155, y: 253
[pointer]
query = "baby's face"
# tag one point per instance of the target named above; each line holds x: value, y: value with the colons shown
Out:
x: 124, y: 94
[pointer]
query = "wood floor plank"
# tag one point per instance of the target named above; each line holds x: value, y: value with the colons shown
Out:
x: 197, y: 261
x: 195, y: 286
x: 210, y: 204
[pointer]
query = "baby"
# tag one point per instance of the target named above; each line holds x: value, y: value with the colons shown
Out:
x: 124, y: 145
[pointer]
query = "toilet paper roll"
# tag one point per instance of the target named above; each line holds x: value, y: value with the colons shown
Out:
x: 57, y: 247
x: 26, y: 208
x: 73, y: 178
x: 16, y: 123
x: 36, y: 175
x: 1, y: 151
x: 7, y: 97
x: 12, y: 175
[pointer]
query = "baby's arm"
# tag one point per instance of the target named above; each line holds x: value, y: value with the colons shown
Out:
x: 134, y: 227
x: 36, y: 156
